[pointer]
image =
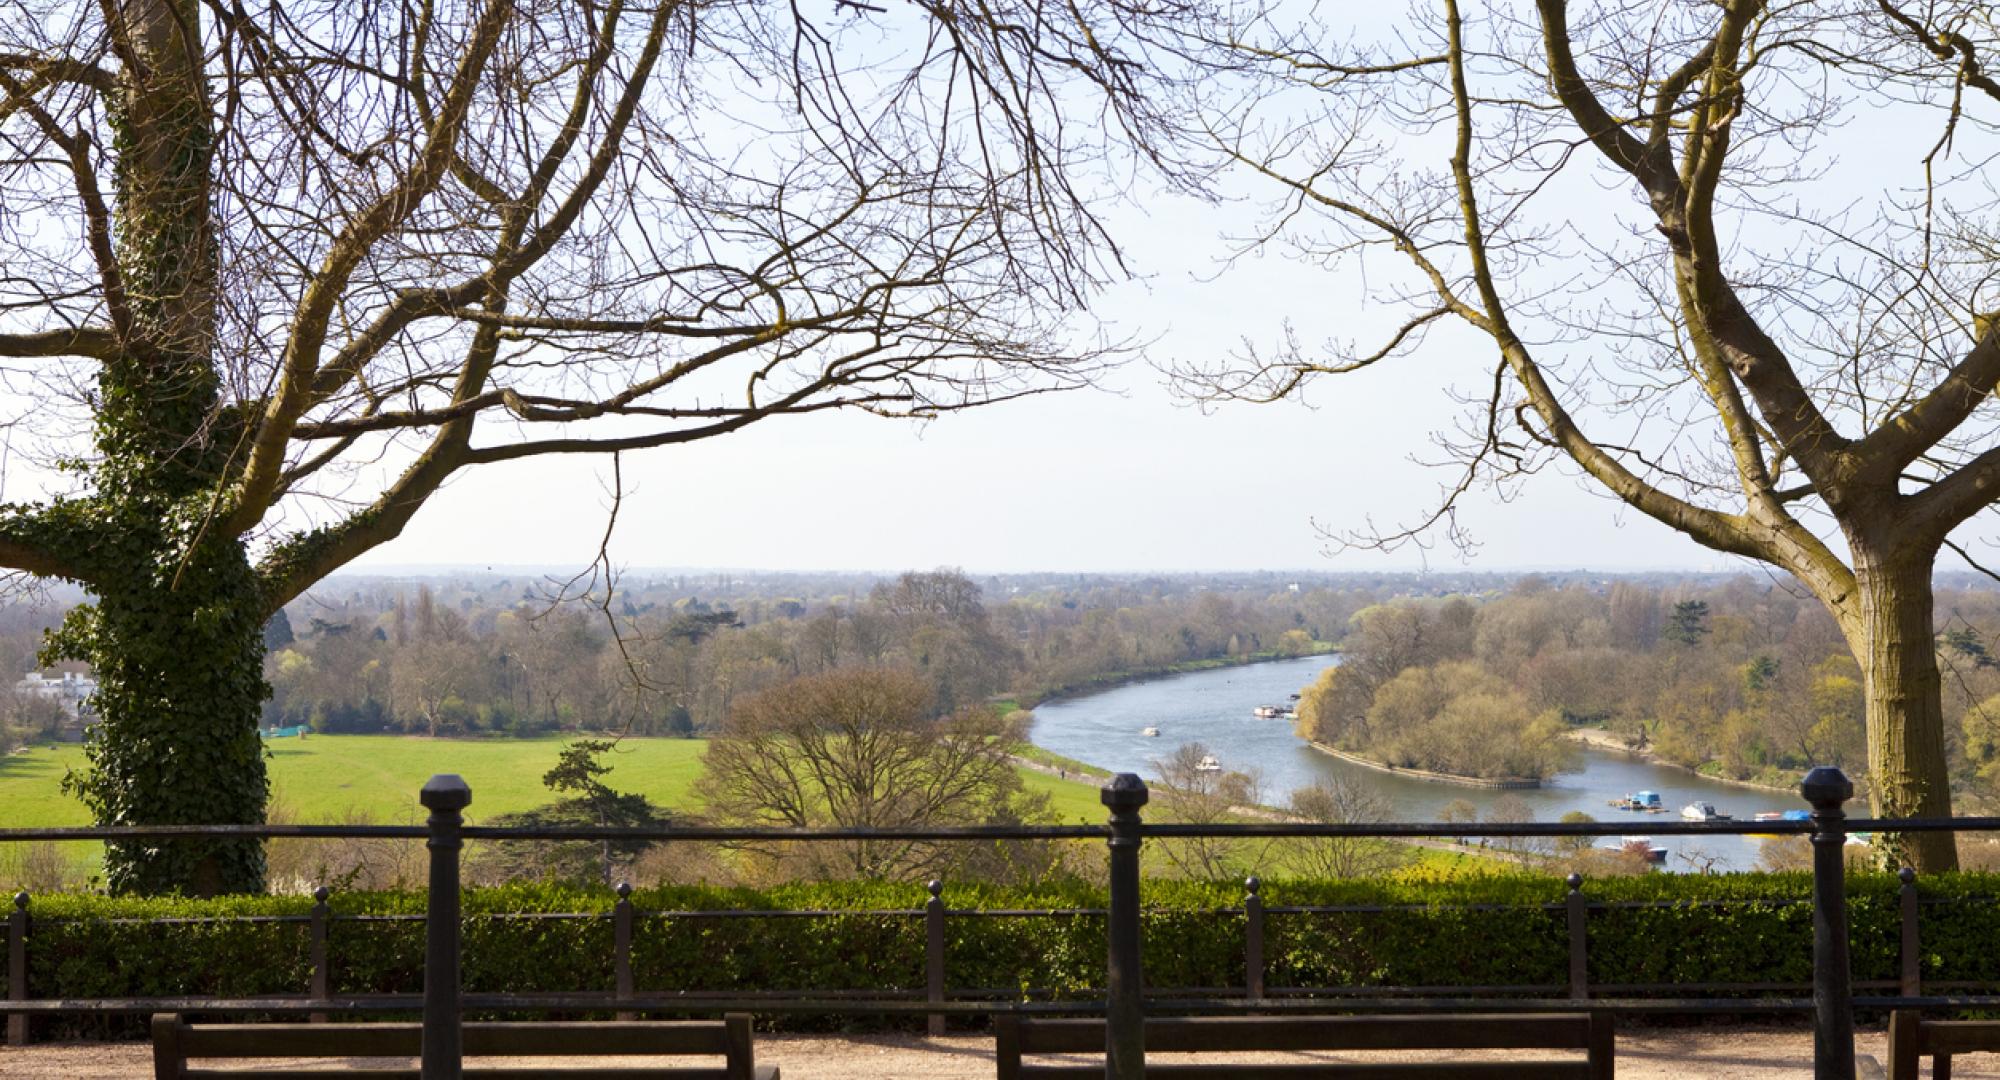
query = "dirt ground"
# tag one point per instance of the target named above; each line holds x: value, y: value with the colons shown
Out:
x: 1673, y: 1054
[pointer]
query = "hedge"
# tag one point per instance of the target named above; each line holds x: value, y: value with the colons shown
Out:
x: 1429, y: 936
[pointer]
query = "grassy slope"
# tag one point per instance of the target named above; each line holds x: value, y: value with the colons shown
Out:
x: 327, y: 777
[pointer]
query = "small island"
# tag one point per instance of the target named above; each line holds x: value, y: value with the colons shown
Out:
x: 1451, y: 721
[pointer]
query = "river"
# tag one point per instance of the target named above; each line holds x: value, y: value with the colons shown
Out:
x: 1214, y: 707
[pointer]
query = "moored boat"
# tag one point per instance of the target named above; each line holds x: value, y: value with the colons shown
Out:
x: 1269, y: 712
x: 1642, y: 846
x: 1644, y: 802
x: 1150, y: 733
x: 1208, y: 764
x: 1703, y: 811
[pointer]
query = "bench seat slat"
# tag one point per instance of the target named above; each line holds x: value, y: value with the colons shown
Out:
x: 764, y: 1072
x: 1432, y: 1070
x: 555, y: 1039
x: 1958, y: 1036
x: 1460, y: 1032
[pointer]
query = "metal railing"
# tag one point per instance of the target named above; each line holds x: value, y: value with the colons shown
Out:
x: 1124, y: 1001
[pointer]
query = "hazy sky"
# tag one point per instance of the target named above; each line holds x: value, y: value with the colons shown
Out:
x: 1126, y: 477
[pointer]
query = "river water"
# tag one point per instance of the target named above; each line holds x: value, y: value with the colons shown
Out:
x: 1214, y: 708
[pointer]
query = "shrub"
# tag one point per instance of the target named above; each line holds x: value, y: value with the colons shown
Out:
x: 1467, y: 931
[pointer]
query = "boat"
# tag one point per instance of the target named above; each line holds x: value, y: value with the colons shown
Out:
x: 1208, y: 764
x: 1150, y: 733
x: 1269, y: 712
x: 1779, y: 815
x: 1644, y: 802
x: 1703, y: 811
x: 1643, y: 847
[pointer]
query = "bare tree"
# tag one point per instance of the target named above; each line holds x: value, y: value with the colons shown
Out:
x: 1194, y: 789
x: 1340, y: 801
x: 1782, y: 352
x: 862, y: 748
x: 271, y: 275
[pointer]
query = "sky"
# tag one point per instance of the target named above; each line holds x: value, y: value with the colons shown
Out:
x: 1126, y: 476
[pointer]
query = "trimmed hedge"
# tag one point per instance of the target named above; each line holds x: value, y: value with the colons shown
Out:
x: 1193, y: 938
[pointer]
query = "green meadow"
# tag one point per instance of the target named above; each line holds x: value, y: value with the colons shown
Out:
x: 375, y: 778
x: 332, y: 778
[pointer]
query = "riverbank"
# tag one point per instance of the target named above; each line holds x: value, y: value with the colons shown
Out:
x: 1112, y: 680
x: 1505, y: 783
x: 1599, y: 739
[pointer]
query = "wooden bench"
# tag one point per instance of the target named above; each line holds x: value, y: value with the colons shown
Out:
x: 176, y: 1042
x: 1912, y: 1038
x: 1591, y: 1033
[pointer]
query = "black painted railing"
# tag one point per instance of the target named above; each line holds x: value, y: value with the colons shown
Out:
x: 1123, y: 1002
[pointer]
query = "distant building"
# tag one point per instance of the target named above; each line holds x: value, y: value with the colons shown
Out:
x: 72, y: 691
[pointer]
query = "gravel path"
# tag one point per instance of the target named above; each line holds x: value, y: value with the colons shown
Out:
x: 1734, y: 1054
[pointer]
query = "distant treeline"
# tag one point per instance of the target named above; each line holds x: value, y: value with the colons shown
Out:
x: 490, y: 657
x: 1742, y: 679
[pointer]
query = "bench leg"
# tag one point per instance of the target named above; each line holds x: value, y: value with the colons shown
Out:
x: 1904, y: 1057
x: 1007, y: 1046
x: 1603, y: 1046
x: 740, y: 1055
x: 169, y: 1062
x: 1941, y: 1067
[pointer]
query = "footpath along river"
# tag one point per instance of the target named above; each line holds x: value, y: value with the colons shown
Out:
x: 1214, y: 708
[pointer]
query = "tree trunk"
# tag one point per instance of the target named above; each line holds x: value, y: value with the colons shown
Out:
x: 178, y: 651
x: 176, y: 634
x: 1894, y: 641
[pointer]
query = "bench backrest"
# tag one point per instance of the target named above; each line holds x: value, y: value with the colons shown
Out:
x: 176, y: 1042
x: 1912, y: 1038
x: 1589, y: 1032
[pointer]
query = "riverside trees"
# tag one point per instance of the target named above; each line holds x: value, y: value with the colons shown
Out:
x: 278, y: 273
x: 1778, y: 346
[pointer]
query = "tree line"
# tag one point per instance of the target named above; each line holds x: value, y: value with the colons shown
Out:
x: 1740, y: 679
x: 486, y: 658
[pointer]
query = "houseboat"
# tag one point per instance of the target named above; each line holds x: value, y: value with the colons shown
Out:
x: 1644, y: 802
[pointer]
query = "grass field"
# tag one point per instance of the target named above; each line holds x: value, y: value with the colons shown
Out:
x: 328, y: 778
x: 334, y: 778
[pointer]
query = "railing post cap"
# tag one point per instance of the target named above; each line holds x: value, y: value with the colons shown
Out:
x: 1826, y: 787
x: 21, y: 900
x: 624, y: 889
x: 1253, y: 883
x: 1125, y: 792
x: 935, y: 887
x: 446, y: 791
x: 320, y: 894
x: 1906, y: 875
x: 1575, y: 882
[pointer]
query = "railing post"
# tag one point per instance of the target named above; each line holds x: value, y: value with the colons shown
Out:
x: 322, y: 979
x: 621, y: 947
x: 1253, y: 939
x: 17, y: 968
x: 934, y: 953
x: 446, y: 796
x: 1826, y: 788
x: 1578, y: 914
x: 1912, y: 982
x: 1124, y: 1007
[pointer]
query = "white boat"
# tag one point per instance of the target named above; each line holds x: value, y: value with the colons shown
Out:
x: 1268, y: 712
x: 1208, y: 764
x: 1642, y: 846
x: 1703, y: 811
x: 1150, y: 733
